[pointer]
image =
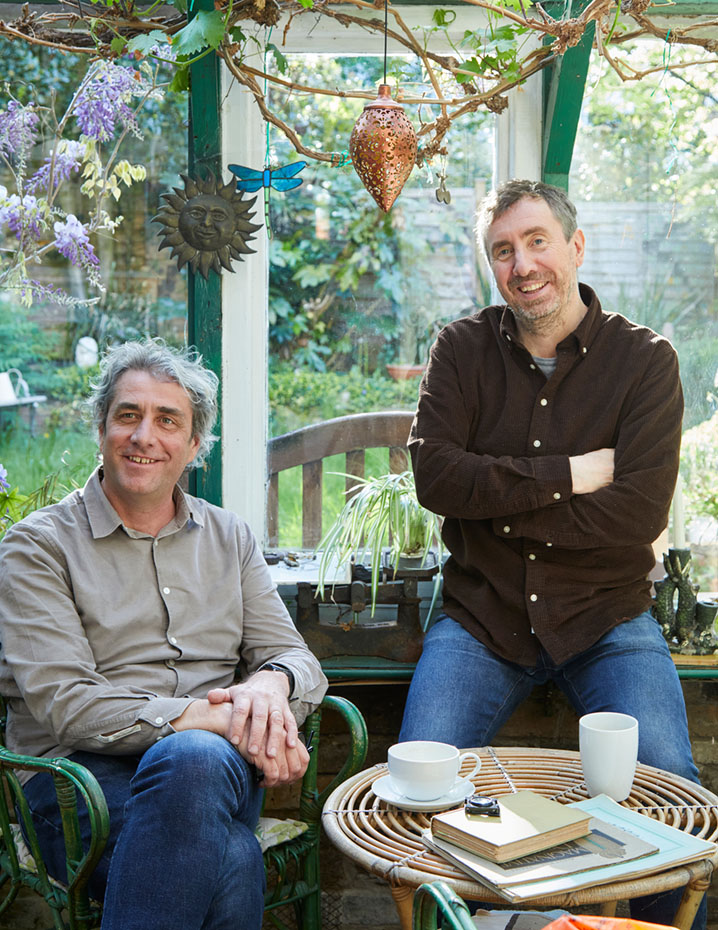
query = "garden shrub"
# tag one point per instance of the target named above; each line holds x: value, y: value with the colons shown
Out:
x: 299, y: 397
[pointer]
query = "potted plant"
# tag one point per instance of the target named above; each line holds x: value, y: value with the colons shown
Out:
x: 383, y: 525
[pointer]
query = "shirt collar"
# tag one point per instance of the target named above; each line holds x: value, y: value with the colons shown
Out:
x: 104, y: 519
x: 582, y: 337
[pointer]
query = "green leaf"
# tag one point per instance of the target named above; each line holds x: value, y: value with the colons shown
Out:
x: 282, y: 63
x: 118, y: 45
x: 144, y: 43
x: 443, y: 17
x: 311, y: 275
x: 307, y: 4
x: 205, y: 30
x: 180, y: 80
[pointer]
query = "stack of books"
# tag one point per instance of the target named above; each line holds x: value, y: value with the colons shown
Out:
x: 539, y: 847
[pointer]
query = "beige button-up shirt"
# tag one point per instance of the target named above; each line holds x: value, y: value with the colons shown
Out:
x: 109, y: 633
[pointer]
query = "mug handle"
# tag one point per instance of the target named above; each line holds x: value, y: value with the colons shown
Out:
x: 477, y: 764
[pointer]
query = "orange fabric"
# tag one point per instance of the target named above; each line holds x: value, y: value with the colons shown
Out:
x: 581, y: 922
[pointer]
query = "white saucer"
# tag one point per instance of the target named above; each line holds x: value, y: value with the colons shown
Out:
x: 383, y: 789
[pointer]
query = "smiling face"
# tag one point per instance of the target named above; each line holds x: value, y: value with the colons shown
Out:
x: 207, y: 222
x: 146, y: 443
x: 535, y: 267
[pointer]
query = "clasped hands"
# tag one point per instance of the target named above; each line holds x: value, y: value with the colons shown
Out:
x: 255, y: 717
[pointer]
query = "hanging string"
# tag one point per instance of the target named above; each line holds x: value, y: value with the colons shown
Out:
x: 267, y: 224
x: 386, y: 33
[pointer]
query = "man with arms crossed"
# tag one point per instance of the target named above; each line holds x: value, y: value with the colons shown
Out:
x: 547, y: 434
x: 125, y: 610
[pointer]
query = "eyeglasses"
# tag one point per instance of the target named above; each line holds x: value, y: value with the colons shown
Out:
x: 479, y: 806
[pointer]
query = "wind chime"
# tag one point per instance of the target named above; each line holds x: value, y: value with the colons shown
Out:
x: 383, y: 143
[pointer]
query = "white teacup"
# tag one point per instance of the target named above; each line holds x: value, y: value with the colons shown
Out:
x: 424, y: 770
x: 609, y: 749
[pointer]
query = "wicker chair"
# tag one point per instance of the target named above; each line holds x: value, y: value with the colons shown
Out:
x: 292, y: 865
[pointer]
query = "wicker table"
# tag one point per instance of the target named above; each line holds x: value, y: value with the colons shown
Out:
x: 386, y: 840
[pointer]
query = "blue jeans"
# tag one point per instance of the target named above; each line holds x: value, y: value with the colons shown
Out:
x: 462, y: 693
x: 182, y: 851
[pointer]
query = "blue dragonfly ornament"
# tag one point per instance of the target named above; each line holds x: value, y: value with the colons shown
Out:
x: 281, y: 179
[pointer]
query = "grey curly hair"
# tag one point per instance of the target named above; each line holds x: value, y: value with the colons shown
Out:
x: 165, y: 363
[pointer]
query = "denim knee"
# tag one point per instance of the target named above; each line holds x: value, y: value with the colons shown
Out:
x: 194, y: 768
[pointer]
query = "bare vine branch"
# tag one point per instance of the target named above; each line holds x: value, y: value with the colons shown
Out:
x: 459, y: 86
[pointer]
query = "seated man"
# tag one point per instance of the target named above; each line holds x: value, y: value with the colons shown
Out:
x: 547, y: 434
x: 125, y: 610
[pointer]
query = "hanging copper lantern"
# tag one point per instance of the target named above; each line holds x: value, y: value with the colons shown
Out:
x: 383, y: 148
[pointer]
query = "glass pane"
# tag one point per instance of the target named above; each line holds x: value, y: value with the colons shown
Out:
x: 354, y: 292
x: 643, y: 178
x: 144, y: 293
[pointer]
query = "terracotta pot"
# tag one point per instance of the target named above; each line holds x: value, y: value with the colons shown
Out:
x: 404, y: 372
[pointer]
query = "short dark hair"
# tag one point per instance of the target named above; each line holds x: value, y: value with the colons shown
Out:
x: 506, y: 195
x: 184, y: 366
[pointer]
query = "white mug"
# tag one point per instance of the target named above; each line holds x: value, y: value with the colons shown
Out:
x: 609, y: 748
x: 424, y: 770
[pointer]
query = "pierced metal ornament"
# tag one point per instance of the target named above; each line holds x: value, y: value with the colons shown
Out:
x: 383, y: 148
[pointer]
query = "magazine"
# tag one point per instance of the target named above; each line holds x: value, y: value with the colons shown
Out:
x: 673, y: 847
x: 604, y: 845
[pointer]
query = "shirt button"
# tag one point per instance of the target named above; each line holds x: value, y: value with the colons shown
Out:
x: 584, y: 350
x: 507, y: 529
x: 165, y: 590
x: 158, y: 719
x: 534, y: 597
x: 171, y: 663
x: 549, y: 545
x: 537, y: 443
x: 557, y: 496
x: 532, y: 367
x: 532, y: 556
x: 173, y: 640
x: 508, y: 337
x: 543, y: 401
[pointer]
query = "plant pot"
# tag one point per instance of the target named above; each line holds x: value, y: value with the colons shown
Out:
x: 405, y: 372
x: 410, y: 565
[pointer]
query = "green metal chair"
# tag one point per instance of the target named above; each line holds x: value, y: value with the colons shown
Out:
x: 292, y: 866
x: 436, y: 906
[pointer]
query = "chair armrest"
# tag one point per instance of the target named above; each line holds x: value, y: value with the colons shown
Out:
x: 312, y: 800
x: 71, y: 780
x: 434, y: 898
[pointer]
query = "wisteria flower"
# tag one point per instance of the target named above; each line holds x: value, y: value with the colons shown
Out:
x: 103, y: 101
x: 23, y: 216
x: 4, y: 483
x: 17, y: 129
x: 72, y: 241
x: 68, y: 158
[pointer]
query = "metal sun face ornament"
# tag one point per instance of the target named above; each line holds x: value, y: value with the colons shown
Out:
x: 383, y: 148
x: 207, y: 224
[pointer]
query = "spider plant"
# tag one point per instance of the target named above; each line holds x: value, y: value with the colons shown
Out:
x: 382, y: 512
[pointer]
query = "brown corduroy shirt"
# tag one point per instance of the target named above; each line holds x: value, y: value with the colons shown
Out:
x: 531, y: 563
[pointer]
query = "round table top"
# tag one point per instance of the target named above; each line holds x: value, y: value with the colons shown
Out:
x: 387, y: 841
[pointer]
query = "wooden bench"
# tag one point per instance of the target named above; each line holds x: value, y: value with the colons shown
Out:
x: 352, y: 436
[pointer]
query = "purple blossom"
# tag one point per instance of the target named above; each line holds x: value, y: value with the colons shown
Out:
x: 4, y: 484
x: 17, y: 129
x: 68, y: 158
x: 103, y: 101
x: 22, y: 216
x: 72, y: 241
